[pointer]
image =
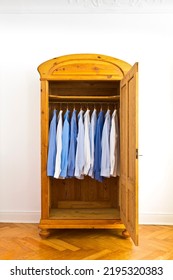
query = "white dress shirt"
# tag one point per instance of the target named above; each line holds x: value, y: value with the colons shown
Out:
x: 114, y: 146
x: 87, y: 153
x: 79, y: 161
x: 92, y: 137
x: 105, y: 158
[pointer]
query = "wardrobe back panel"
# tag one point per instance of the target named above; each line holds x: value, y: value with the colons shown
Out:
x: 75, y: 193
x: 87, y: 193
x: 78, y: 88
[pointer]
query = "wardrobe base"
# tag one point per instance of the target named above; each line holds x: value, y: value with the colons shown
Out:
x: 46, y: 226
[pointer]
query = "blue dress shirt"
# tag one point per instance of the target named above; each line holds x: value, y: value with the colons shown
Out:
x: 98, y: 147
x: 52, y: 146
x: 72, y: 148
x: 105, y: 159
x: 65, y: 145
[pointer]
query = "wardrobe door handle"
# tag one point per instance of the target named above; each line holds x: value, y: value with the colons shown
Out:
x: 137, y: 155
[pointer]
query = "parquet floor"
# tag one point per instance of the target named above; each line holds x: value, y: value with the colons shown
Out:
x: 22, y: 242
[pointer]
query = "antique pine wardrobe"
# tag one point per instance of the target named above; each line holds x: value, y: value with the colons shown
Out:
x: 91, y: 80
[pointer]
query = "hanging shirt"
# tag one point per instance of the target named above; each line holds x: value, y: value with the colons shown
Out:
x: 105, y: 143
x: 80, y: 160
x: 52, y: 146
x: 72, y: 148
x: 98, y: 148
x: 59, y: 146
x: 114, y: 146
x: 87, y: 153
x: 92, y: 137
x: 65, y: 145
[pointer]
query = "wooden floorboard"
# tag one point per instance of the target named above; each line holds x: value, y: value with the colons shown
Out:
x: 22, y: 242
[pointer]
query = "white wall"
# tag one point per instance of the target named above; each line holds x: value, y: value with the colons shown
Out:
x: 30, y: 39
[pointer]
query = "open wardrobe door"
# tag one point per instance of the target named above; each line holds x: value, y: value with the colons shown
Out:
x: 129, y: 152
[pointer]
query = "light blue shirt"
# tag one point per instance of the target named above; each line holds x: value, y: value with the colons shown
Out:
x: 105, y: 143
x: 92, y: 137
x: 52, y: 146
x: 65, y: 145
x: 58, y: 146
x: 98, y: 147
x: 72, y: 148
x: 80, y: 159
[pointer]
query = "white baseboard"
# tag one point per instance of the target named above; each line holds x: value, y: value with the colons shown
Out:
x: 155, y: 219
x: 34, y: 217
x: 20, y: 217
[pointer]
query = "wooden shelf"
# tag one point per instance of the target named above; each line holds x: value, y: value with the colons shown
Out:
x: 83, y: 98
x: 85, y: 214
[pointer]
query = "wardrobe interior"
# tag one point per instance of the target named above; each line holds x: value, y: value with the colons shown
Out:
x: 84, y: 199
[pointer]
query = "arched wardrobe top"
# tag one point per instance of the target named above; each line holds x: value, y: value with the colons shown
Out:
x: 84, y: 67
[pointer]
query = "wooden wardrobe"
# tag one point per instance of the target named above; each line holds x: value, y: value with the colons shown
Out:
x: 91, y: 80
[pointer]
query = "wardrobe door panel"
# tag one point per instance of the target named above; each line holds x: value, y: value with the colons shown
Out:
x: 123, y: 152
x: 128, y: 147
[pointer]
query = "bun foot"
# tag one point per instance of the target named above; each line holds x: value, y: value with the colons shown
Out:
x: 44, y: 233
x: 125, y: 234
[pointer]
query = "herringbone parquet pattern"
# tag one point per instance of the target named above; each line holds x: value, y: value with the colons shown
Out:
x: 22, y: 242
